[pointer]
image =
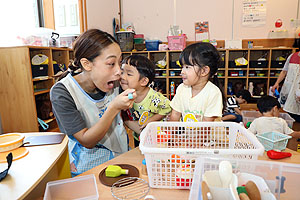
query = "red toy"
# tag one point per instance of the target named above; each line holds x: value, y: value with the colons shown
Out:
x: 278, y: 154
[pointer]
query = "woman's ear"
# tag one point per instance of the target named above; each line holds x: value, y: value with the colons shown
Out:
x: 86, y: 64
x: 144, y: 81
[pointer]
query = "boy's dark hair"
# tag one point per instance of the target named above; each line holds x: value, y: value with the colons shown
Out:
x: 144, y: 66
x: 245, y: 94
x: 266, y: 103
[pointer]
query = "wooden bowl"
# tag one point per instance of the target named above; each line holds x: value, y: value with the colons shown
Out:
x: 10, y: 141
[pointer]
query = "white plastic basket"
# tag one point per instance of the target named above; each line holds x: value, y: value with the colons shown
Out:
x: 171, y: 148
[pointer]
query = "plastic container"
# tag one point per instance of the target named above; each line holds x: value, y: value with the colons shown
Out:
x: 82, y: 187
x: 152, y: 45
x: 170, y: 148
x: 273, y: 140
x: 250, y: 115
x: 258, y: 64
x: 125, y: 39
x: 275, y: 180
x: 177, y: 42
x: 138, y: 40
x: 67, y: 41
x: 39, y: 70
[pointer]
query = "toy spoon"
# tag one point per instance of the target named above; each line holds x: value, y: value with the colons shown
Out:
x: 225, y: 173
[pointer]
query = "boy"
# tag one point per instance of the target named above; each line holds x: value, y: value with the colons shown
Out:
x: 270, y: 121
x: 137, y: 72
x: 232, y: 111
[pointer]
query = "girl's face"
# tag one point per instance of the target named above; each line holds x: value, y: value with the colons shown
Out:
x: 190, y: 75
x: 130, y: 77
x: 106, y: 68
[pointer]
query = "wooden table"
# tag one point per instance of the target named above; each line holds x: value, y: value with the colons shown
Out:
x: 134, y: 157
x: 29, y: 175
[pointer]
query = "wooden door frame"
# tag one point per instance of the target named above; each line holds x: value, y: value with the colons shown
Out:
x: 49, y: 18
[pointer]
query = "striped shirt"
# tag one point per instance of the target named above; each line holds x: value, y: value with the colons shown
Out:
x: 231, y: 104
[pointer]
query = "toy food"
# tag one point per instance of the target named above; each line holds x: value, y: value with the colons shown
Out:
x: 184, y: 177
x: 244, y: 196
x: 278, y: 154
x: 115, y: 171
x: 252, y: 191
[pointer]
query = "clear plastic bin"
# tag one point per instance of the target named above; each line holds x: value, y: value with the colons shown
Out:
x: 82, y: 187
x: 250, y: 115
x: 170, y: 148
x: 280, y: 180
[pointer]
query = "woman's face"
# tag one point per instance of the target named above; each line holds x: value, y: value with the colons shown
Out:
x: 106, y: 68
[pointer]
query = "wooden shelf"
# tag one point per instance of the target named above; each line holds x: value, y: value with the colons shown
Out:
x: 227, y: 55
x: 21, y: 111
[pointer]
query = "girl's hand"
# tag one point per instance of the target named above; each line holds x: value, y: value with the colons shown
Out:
x: 122, y: 101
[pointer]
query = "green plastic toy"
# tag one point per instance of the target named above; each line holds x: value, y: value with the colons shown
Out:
x: 248, y: 124
x: 115, y: 171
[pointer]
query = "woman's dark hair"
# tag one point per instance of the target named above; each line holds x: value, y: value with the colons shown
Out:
x: 266, y: 103
x: 88, y: 45
x: 203, y: 54
x: 143, y: 65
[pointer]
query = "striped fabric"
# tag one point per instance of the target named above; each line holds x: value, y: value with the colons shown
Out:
x: 231, y: 104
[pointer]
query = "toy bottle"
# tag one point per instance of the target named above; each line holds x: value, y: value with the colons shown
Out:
x: 172, y: 88
x: 251, y: 88
x: 115, y: 171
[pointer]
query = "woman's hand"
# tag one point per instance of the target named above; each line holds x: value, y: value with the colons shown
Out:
x: 122, y: 101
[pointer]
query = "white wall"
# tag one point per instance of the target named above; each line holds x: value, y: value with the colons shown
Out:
x: 100, y: 14
x: 154, y: 17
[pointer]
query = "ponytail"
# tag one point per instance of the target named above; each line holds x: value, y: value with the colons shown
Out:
x: 74, y: 70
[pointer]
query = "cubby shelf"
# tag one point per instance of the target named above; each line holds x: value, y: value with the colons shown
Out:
x: 267, y: 68
x: 19, y: 107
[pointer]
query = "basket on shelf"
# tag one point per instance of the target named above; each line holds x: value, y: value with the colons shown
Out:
x: 273, y: 140
x: 170, y: 148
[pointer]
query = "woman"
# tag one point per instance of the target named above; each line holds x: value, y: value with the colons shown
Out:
x: 87, y: 105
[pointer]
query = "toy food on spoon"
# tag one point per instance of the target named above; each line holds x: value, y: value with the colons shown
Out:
x: 115, y: 171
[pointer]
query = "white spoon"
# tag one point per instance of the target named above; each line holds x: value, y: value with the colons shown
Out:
x: 225, y: 173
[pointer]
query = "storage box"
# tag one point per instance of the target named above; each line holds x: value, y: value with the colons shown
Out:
x: 139, y: 47
x: 125, y: 39
x: 232, y: 64
x: 138, y: 40
x: 83, y: 187
x: 67, y: 41
x: 39, y: 70
x: 277, y: 64
x: 250, y: 115
x: 58, y: 68
x: 258, y: 64
x: 275, y: 180
x: 152, y: 45
x: 177, y: 42
x: 170, y: 148
x: 273, y: 140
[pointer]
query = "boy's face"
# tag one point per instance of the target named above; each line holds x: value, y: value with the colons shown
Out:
x: 130, y: 77
x: 240, y: 100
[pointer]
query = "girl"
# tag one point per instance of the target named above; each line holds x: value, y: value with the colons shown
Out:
x: 87, y: 105
x: 198, y: 99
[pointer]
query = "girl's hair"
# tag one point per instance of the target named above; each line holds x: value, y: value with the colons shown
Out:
x: 203, y: 54
x: 88, y: 45
x: 143, y: 65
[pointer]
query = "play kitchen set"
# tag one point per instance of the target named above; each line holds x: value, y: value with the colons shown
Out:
x: 13, y: 146
x: 209, y: 158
